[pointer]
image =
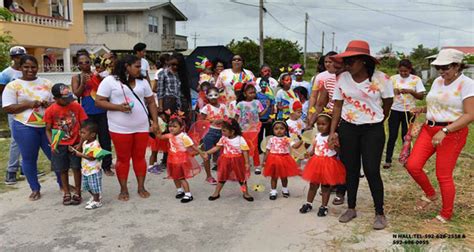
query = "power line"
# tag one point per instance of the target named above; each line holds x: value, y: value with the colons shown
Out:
x: 444, y: 5
x: 410, y: 19
x: 284, y: 26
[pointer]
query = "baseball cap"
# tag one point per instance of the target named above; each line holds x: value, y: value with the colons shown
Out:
x: 61, y: 90
x: 448, y: 56
x: 17, y: 50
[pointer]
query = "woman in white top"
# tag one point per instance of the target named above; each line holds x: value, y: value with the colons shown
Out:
x: 129, y: 102
x: 363, y: 98
x: 230, y: 77
x: 449, y: 111
x: 407, y: 88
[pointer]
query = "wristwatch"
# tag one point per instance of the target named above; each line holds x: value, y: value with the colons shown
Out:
x: 445, y: 130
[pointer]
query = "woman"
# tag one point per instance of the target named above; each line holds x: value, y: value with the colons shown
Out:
x: 84, y: 86
x: 449, y: 111
x: 407, y: 88
x: 229, y: 78
x: 27, y: 98
x: 129, y: 102
x: 363, y: 98
x: 218, y: 67
x: 328, y: 78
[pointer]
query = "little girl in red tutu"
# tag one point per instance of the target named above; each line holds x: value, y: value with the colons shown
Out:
x: 277, y: 161
x: 323, y: 168
x: 181, y: 164
x: 233, y: 163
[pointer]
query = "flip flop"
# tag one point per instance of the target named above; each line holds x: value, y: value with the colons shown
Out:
x: 124, y: 196
x: 423, y: 203
x: 144, y: 194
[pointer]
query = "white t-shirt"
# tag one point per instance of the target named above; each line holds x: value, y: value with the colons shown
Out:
x: 279, y: 145
x: 406, y: 102
x: 157, y: 72
x: 321, y: 146
x: 233, y: 146
x: 90, y: 167
x: 117, y: 93
x: 227, y: 79
x: 318, y: 81
x: 20, y: 91
x: 8, y: 75
x: 273, y: 84
x: 445, y: 103
x: 295, y: 126
x: 304, y: 84
x: 145, y: 67
x: 214, y: 113
x: 363, y: 101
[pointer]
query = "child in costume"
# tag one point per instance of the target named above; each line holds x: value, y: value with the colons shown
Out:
x: 285, y: 97
x: 295, y: 123
x: 157, y: 145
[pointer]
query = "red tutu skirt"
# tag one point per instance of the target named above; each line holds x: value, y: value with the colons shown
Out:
x: 181, y: 165
x: 325, y: 171
x: 280, y: 166
x: 232, y: 167
x: 158, y: 145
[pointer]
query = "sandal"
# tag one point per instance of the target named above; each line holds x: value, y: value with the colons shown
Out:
x: 338, y: 200
x: 76, y: 200
x: 67, y: 200
x: 441, y: 219
x: 423, y: 203
x: 143, y: 193
x: 109, y: 173
x: 124, y: 196
x: 387, y: 165
x: 34, y: 196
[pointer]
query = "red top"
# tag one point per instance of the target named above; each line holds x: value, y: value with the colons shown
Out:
x: 66, y: 118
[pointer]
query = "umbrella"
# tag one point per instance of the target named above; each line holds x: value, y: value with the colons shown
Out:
x: 213, y: 53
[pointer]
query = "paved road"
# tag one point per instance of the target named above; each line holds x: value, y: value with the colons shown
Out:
x: 162, y: 223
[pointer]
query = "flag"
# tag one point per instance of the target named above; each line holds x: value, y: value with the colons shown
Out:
x: 96, y: 152
x: 56, y: 137
x: 36, y: 119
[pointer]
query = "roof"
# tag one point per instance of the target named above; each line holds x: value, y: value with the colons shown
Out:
x: 133, y: 6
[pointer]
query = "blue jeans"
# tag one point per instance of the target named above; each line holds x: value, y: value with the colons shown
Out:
x: 14, y: 160
x: 30, y: 140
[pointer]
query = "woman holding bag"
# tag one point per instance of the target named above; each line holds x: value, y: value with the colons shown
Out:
x: 130, y: 105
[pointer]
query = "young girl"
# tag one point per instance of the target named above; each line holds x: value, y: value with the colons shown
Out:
x: 248, y: 113
x: 181, y: 165
x: 215, y: 113
x: 233, y: 164
x: 158, y: 145
x: 323, y: 168
x: 294, y: 122
x: 277, y: 161
x: 285, y: 97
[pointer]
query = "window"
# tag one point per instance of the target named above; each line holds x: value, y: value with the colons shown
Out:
x: 115, y: 23
x: 152, y: 24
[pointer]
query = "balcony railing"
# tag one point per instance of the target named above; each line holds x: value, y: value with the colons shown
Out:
x: 26, y: 18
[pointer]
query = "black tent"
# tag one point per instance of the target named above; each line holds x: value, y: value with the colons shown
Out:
x: 213, y: 53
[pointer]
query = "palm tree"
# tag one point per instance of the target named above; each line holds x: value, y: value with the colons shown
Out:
x: 5, y: 14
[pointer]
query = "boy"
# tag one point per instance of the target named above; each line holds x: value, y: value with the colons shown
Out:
x: 265, y: 94
x: 65, y: 116
x: 91, y: 173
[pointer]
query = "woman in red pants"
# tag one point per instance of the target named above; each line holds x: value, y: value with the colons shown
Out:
x: 450, y: 109
x: 129, y: 101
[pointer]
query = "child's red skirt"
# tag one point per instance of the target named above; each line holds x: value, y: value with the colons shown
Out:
x: 232, y: 167
x: 325, y: 171
x: 280, y: 166
x: 158, y: 145
x: 181, y: 165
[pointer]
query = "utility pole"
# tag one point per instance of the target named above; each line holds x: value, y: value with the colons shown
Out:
x: 195, y: 36
x: 305, y: 38
x: 332, y: 46
x: 322, y: 45
x: 261, y: 9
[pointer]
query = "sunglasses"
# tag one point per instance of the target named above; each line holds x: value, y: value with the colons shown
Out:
x: 84, y: 63
x: 349, y: 61
x: 444, y: 68
x: 237, y: 59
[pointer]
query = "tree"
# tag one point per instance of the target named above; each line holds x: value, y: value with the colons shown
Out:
x: 5, y: 40
x: 278, y: 52
x: 418, y: 57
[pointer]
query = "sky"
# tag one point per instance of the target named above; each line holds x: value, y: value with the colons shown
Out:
x: 403, y: 24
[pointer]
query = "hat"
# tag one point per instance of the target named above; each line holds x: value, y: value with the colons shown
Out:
x: 296, y: 106
x: 354, y: 48
x: 61, y: 90
x: 17, y: 51
x: 448, y: 56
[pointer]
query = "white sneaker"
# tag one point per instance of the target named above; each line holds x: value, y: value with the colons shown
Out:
x: 258, y: 171
x: 93, y: 205
x: 92, y: 199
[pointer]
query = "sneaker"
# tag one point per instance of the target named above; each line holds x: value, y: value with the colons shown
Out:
x: 186, y: 199
x: 92, y: 199
x: 10, y: 178
x: 338, y: 200
x: 154, y: 169
x: 93, y: 205
x: 380, y: 222
x: 273, y: 196
x: 286, y: 194
x: 162, y: 167
x: 258, y: 171
x: 348, y: 216
x: 40, y: 174
x: 306, y: 208
x: 211, y: 181
x: 323, y: 211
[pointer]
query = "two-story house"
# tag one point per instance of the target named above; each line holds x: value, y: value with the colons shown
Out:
x: 47, y: 29
x: 120, y: 25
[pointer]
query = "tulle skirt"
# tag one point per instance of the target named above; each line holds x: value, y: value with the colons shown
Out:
x: 280, y: 166
x: 325, y: 171
x: 181, y: 165
x: 232, y: 167
x: 158, y: 145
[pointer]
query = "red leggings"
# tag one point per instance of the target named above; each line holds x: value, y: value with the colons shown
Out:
x: 447, y: 154
x: 130, y: 146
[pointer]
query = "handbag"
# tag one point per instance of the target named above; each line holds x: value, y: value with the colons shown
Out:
x: 152, y: 135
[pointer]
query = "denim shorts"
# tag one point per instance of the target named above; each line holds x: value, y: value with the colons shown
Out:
x: 63, y: 160
x: 211, y: 138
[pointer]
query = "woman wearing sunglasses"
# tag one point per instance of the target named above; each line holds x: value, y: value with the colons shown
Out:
x: 362, y: 101
x: 449, y: 111
x: 85, y: 85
